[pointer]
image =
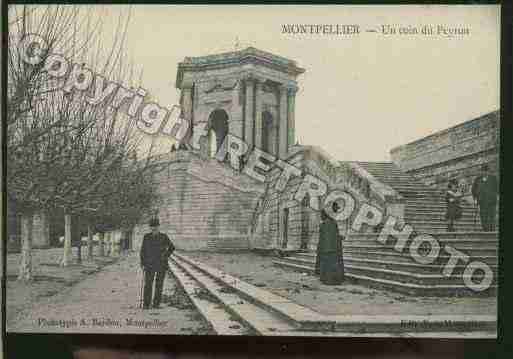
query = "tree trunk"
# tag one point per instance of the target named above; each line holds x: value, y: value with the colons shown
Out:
x: 79, y: 250
x: 115, y: 240
x: 41, y: 229
x: 67, y: 254
x: 25, y: 273
x: 101, y: 244
x: 130, y: 239
x: 90, y: 242
x: 107, y: 244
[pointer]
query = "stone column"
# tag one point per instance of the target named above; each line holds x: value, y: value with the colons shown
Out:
x: 249, y: 115
x: 291, y: 140
x: 258, y: 114
x: 283, y: 125
x: 187, y: 101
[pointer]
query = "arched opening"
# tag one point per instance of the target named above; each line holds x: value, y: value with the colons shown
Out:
x: 218, y: 122
x: 267, y: 132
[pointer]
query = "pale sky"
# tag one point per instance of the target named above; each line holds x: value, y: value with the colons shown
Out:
x: 360, y: 95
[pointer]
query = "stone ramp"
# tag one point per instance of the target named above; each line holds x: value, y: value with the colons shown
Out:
x: 380, y: 265
x: 269, y: 314
x: 425, y: 206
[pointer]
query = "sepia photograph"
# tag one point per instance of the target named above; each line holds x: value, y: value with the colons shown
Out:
x: 252, y: 170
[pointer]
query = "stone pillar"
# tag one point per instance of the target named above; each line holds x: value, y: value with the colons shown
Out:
x: 41, y: 230
x: 282, y: 149
x: 249, y: 115
x: 258, y: 114
x: 291, y: 140
x: 187, y: 101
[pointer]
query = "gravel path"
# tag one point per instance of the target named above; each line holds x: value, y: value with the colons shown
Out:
x: 107, y: 302
x: 340, y: 299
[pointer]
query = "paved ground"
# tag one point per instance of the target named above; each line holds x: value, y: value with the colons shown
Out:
x: 342, y: 299
x: 105, y: 301
x: 49, y: 277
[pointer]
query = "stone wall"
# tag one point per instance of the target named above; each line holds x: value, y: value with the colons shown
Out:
x: 457, y: 152
x: 272, y: 213
x: 204, y: 204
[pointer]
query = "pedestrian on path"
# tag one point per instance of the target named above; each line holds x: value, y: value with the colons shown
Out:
x: 452, y: 199
x: 155, y: 251
x: 484, y: 191
x: 331, y: 262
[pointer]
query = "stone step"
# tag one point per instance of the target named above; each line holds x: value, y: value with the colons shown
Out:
x: 400, y: 287
x: 440, y: 236
x: 433, y: 203
x: 408, y: 267
x: 441, y: 226
x: 414, y: 193
x: 413, y: 184
x: 410, y: 277
x: 397, y: 178
x: 394, y: 256
x: 427, y: 216
x: 383, y: 174
x: 461, y: 244
x: 439, y: 222
x: 482, y: 251
x: 432, y: 229
x: 413, y: 267
x: 414, y: 220
x: 251, y: 315
x: 412, y: 204
x: 219, y: 318
x: 306, y: 322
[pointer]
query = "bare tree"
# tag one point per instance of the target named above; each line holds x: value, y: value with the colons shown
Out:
x: 63, y: 151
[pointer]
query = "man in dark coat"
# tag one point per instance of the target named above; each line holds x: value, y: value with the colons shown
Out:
x: 155, y: 251
x: 484, y: 191
x: 330, y: 260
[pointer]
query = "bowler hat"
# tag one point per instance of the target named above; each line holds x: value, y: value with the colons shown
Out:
x: 154, y: 222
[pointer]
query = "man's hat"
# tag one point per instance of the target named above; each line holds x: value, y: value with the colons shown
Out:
x: 154, y: 222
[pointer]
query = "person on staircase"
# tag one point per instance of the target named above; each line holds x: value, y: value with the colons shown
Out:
x: 452, y: 199
x: 329, y: 249
x: 484, y: 192
x: 155, y: 251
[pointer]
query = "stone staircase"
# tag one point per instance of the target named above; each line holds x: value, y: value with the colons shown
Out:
x: 380, y: 265
x: 425, y: 206
x: 256, y: 311
x: 369, y: 262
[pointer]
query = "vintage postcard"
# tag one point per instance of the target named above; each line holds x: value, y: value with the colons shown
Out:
x: 313, y: 171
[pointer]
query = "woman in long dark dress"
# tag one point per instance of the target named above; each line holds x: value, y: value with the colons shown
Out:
x: 331, y: 265
x: 452, y: 198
